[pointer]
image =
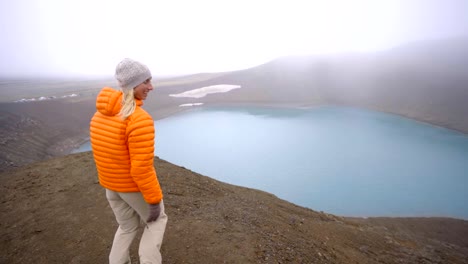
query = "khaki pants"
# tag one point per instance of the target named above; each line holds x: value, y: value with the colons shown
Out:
x: 130, y: 210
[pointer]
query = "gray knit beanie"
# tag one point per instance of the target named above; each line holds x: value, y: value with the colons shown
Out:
x: 130, y: 73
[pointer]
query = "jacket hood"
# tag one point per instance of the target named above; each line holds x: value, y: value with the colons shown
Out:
x: 109, y: 101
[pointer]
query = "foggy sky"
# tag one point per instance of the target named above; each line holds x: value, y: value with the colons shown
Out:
x: 89, y: 37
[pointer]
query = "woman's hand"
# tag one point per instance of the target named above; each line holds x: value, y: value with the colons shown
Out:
x: 154, y: 211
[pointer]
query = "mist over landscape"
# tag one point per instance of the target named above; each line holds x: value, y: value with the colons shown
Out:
x: 425, y: 81
x: 353, y: 115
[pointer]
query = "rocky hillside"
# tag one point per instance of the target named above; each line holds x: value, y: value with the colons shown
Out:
x: 39, y: 130
x: 56, y: 212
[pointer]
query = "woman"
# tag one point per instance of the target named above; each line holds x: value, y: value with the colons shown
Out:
x: 122, y: 140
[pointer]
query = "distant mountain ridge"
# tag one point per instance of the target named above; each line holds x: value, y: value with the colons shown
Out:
x: 426, y: 81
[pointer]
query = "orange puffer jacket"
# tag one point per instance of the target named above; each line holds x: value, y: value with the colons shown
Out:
x: 124, y: 149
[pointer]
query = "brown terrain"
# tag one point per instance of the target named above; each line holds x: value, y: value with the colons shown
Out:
x: 54, y: 211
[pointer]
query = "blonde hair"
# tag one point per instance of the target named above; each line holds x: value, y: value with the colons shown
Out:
x: 128, y: 103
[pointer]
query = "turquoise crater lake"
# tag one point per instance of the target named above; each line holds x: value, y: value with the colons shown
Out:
x: 343, y: 161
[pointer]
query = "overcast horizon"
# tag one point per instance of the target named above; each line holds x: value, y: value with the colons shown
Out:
x: 88, y: 38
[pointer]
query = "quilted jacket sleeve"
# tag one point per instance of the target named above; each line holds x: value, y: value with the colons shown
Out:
x: 140, y: 133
